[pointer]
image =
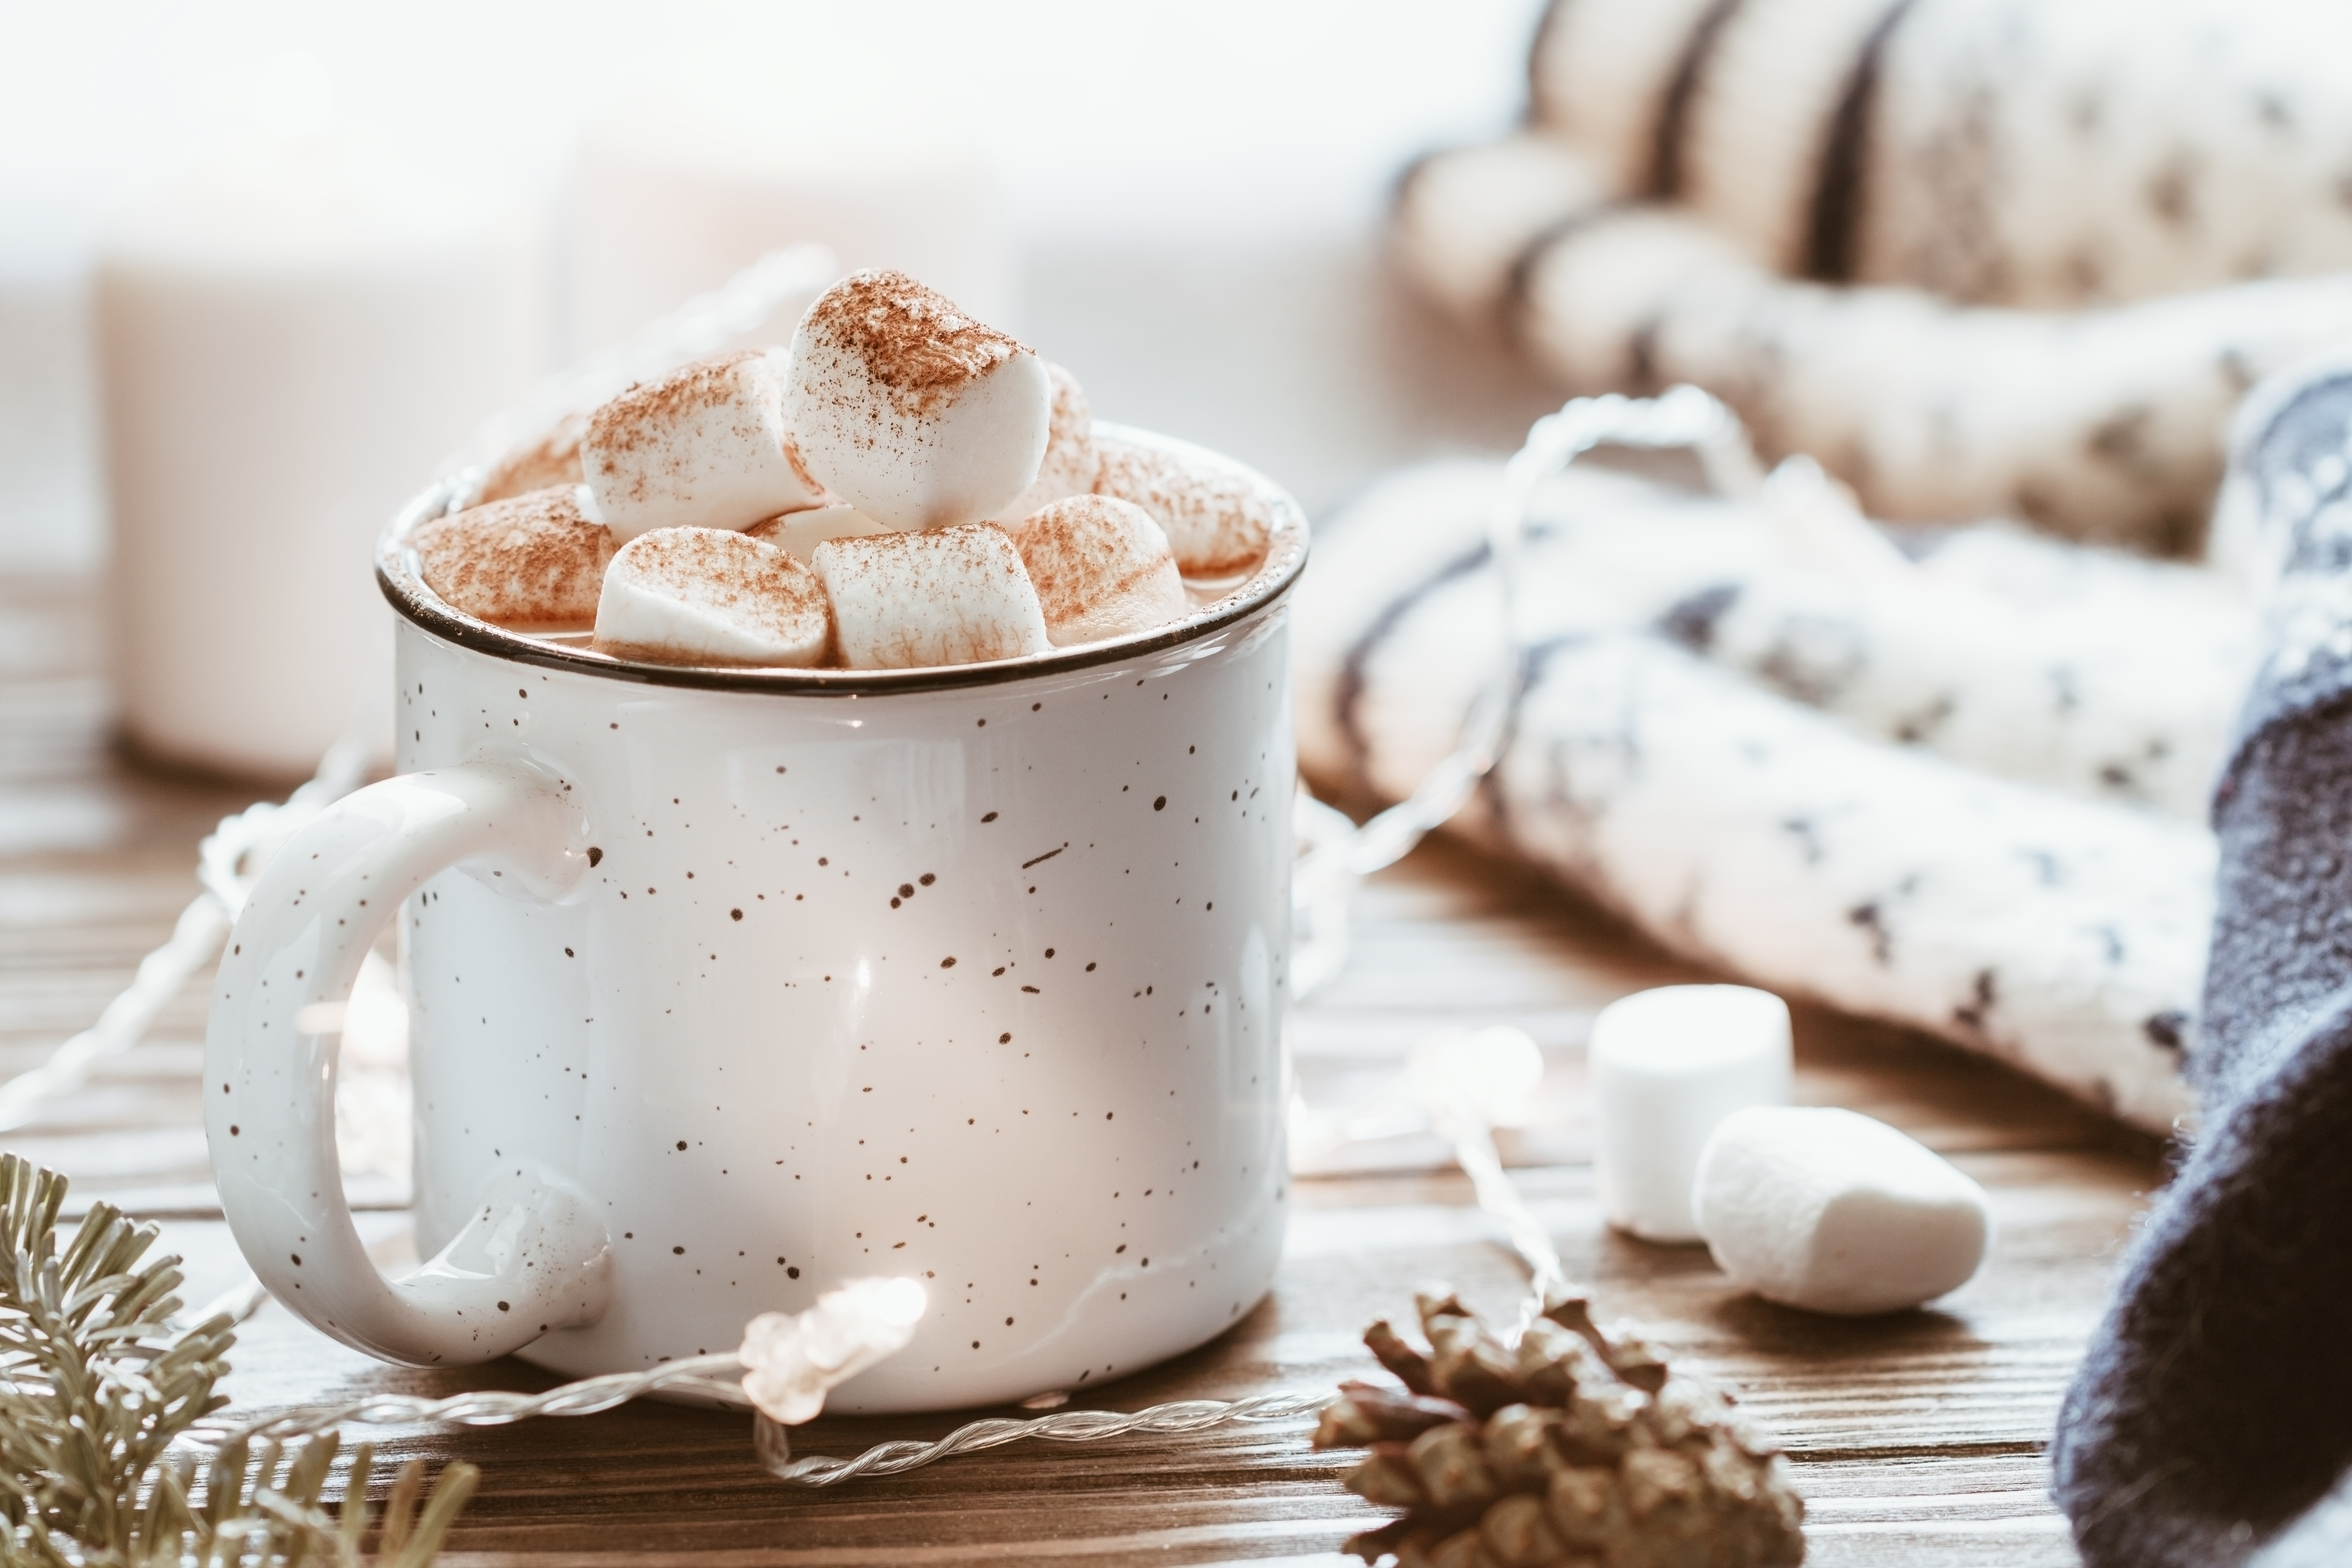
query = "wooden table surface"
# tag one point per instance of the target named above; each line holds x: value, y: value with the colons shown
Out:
x: 1917, y: 1440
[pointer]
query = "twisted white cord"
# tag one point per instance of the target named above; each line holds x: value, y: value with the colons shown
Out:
x: 226, y: 864
x: 1336, y: 858
x: 1455, y: 1116
x: 1473, y: 1148
x: 712, y: 1377
x: 702, y: 1374
x: 195, y: 937
x: 1336, y: 855
x: 773, y: 1442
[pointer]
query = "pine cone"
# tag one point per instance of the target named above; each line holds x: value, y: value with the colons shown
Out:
x: 1576, y: 1448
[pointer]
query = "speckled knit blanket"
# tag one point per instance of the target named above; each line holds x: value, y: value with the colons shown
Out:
x: 1961, y: 792
x: 1981, y: 258
x: 1780, y: 746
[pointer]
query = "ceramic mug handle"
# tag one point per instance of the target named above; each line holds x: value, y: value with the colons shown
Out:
x: 533, y: 1254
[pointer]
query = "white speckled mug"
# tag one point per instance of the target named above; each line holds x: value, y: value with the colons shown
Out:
x: 727, y: 985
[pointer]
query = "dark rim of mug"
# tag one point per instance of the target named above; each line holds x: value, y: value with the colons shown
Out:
x: 398, y: 574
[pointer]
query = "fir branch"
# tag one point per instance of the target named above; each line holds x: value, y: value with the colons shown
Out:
x: 95, y: 1388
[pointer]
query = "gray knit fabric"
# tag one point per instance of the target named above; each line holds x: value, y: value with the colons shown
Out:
x: 2214, y: 1410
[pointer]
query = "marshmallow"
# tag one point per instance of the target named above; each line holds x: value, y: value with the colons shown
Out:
x: 798, y: 533
x: 553, y: 459
x: 1070, y: 463
x: 1218, y: 521
x: 917, y: 415
x: 707, y: 596
x: 703, y: 446
x: 1667, y: 1065
x: 530, y: 563
x: 1101, y: 568
x: 948, y: 595
x: 1836, y: 1213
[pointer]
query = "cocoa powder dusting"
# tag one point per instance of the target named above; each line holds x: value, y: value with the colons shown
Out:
x: 809, y: 481
x: 649, y: 410
x: 1218, y: 522
x: 530, y: 563
x: 552, y: 459
x: 911, y: 339
x: 1081, y: 552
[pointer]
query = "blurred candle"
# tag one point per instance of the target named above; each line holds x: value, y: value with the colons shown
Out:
x: 49, y: 507
x: 670, y: 199
x: 294, y: 330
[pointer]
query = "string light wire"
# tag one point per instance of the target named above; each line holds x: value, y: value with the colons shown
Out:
x: 1335, y: 856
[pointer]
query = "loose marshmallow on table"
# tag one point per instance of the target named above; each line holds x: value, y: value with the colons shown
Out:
x: 911, y: 411
x: 1218, y: 521
x: 946, y: 596
x: 703, y: 446
x: 709, y: 595
x: 532, y: 563
x: 1836, y: 1213
x: 798, y: 533
x: 1667, y: 1065
x: 552, y: 459
x: 1071, y: 463
x: 1101, y: 568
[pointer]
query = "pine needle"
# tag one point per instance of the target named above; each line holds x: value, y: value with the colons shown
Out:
x: 95, y: 1388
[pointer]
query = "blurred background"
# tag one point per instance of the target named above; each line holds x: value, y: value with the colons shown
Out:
x: 1921, y: 725
x: 1178, y: 201
x: 1987, y: 280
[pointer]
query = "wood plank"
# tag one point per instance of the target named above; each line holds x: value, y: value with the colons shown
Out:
x: 1918, y: 1439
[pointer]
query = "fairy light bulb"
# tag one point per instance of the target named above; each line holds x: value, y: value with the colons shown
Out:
x: 1489, y: 1074
x: 791, y: 1361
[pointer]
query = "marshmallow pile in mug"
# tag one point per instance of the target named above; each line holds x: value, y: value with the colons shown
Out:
x: 903, y: 487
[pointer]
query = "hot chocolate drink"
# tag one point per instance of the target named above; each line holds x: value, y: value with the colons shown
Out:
x: 902, y: 487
